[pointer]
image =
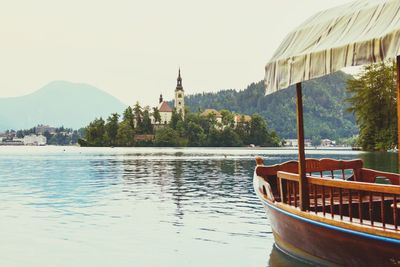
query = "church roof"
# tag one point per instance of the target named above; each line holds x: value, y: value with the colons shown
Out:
x: 164, y: 107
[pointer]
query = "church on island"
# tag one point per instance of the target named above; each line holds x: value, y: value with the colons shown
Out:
x: 165, y: 110
x: 179, y: 104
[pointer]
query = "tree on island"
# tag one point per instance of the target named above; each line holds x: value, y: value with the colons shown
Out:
x: 156, y: 115
x: 128, y: 117
x: 95, y: 133
x: 196, y: 130
x: 112, y: 129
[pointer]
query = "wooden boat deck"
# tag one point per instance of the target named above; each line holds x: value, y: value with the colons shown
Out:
x: 358, y: 201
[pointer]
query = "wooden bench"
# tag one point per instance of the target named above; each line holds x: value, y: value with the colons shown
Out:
x: 336, y: 187
x: 324, y: 167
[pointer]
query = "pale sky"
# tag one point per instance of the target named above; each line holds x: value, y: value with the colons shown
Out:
x: 132, y: 49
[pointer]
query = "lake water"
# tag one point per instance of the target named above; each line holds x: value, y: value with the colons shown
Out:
x: 71, y: 206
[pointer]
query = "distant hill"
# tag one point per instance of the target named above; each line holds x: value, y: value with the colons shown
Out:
x: 59, y: 103
x: 323, y: 101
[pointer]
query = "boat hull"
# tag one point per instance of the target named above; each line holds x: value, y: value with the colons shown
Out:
x: 329, y: 245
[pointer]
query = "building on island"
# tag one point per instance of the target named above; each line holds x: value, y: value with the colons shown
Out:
x: 165, y: 110
x: 241, y: 120
x: 211, y: 111
x: 180, y: 97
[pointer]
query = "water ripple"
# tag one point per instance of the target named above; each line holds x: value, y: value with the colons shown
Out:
x: 62, y: 206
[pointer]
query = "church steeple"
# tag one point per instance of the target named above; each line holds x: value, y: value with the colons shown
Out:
x: 179, y: 81
x: 179, y: 96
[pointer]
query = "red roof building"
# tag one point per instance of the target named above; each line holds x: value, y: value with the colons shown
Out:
x: 164, y: 107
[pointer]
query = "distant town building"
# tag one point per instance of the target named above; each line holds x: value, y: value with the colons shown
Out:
x: 41, y: 129
x: 34, y: 140
x: 328, y: 142
x: 295, y: 143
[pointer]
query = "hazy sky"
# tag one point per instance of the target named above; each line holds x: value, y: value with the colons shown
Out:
x: 132, y: 49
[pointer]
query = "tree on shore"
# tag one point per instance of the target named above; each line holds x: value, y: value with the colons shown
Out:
x: 373, y: 101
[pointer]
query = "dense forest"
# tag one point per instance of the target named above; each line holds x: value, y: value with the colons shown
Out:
x: 196, y: 129
x: 325, y: 108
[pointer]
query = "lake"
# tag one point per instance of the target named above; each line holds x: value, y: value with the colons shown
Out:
x: 71, y: 206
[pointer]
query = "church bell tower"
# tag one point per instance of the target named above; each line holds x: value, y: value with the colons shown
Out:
x: 179, y: 96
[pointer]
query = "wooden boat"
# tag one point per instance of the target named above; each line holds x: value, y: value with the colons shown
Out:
x: 351, y: 219
x: 334, y: 212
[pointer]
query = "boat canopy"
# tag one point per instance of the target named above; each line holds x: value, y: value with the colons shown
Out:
x: 357, y: 33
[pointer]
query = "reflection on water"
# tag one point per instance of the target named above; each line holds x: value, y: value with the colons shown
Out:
x: 137, y: 207
x: 383, y: 161
x: 279, y: 259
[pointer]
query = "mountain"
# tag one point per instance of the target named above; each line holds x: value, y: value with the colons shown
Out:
x: 324, y: 106
x: 59, y: 103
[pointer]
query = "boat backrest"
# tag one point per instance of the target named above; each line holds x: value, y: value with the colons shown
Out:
x: 315, y: 167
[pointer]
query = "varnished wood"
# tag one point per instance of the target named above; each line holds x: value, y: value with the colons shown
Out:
x: 398, y: 105
x: 355, y: 205
x: 328, y: 245
x: 317, y: 165
x: 370, y: 187
x: 369, y: 176
x: 366, y: 228
x: 303, y: 187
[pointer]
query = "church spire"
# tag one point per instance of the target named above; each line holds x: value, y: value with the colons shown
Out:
x: 179, y: 81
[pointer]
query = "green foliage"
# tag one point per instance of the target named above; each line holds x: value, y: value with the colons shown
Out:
x: 257, y: 133
x: 145, y: 126
x: 129, y: 117
x: 137, y: 112
x: 175, y: 118
x: 169, y: 137
x: 227, y: 118
x: 229, y: 138
x: 373, y: 101
x: 112, y: 129
x: 125, y: 134
x: 324, y: 105
x: 195, y: 134
x: 196, y: 130
x: 95, y: 133
x: 156, y: 115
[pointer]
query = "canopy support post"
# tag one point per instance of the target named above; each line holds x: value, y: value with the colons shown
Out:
x: 398, y: 109
x: 303, y: 185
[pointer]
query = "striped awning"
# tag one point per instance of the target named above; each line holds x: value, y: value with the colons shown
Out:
x: 353, y: 34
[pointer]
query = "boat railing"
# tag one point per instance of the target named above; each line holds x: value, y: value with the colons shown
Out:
x: 376, y: 205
